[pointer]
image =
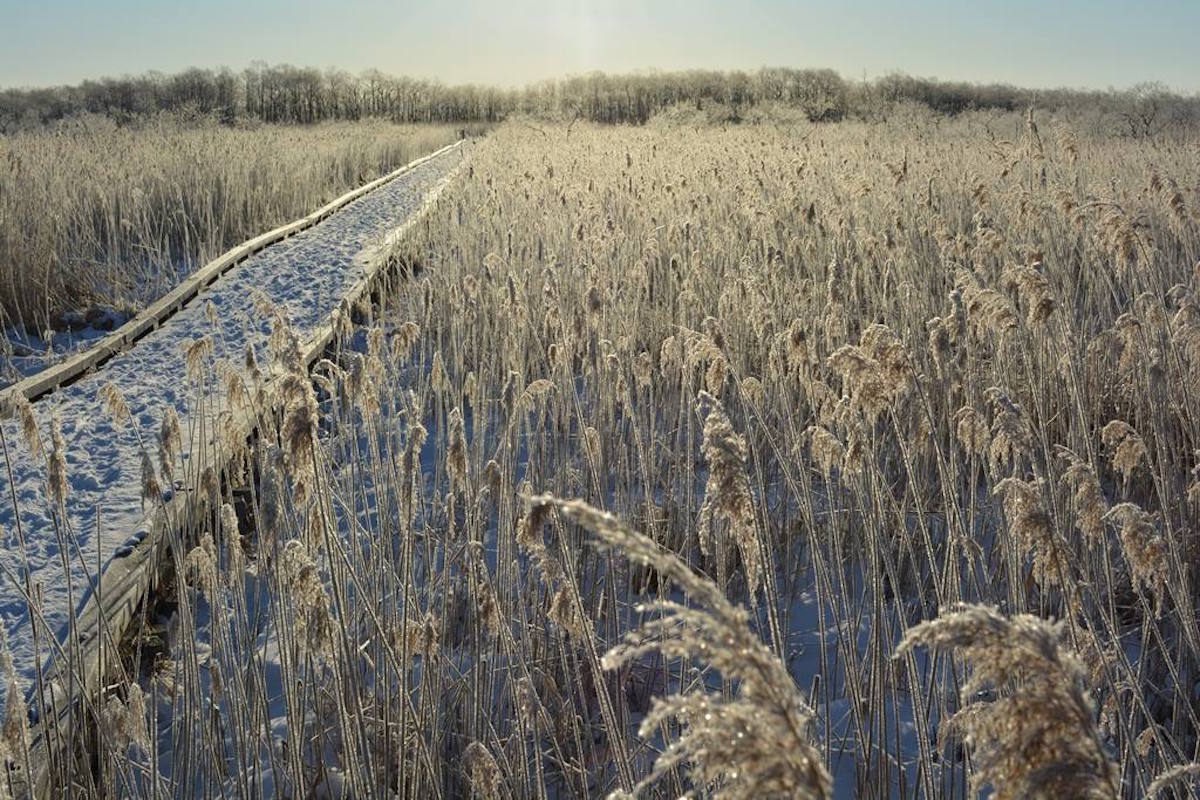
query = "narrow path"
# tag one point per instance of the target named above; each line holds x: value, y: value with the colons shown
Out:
x: 307, y: 275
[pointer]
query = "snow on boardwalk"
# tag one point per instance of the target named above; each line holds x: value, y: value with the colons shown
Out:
x: 307, y: 275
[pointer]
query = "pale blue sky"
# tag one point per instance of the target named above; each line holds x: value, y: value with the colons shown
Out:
x: 1084, y: 43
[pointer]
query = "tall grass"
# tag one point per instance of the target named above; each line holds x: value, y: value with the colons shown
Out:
x: 900, y: 423
x: 95, y: 213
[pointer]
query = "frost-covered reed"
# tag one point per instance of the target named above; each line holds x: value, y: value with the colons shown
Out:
x: 888, y: 430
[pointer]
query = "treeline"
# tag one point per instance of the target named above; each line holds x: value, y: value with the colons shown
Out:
x: 283, y: 93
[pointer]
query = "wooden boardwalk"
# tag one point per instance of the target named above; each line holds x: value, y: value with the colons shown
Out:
x: 73, y: 684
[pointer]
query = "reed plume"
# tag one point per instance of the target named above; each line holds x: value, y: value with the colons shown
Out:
x: 727, y: 495
x: 755, y: 744
x: 1038, y: 737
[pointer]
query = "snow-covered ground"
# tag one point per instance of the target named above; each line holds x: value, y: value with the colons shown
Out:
x: 307, y: 275
x: 23, y: 353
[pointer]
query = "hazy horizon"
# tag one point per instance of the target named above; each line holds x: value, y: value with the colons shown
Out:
x: 1074, y: 44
